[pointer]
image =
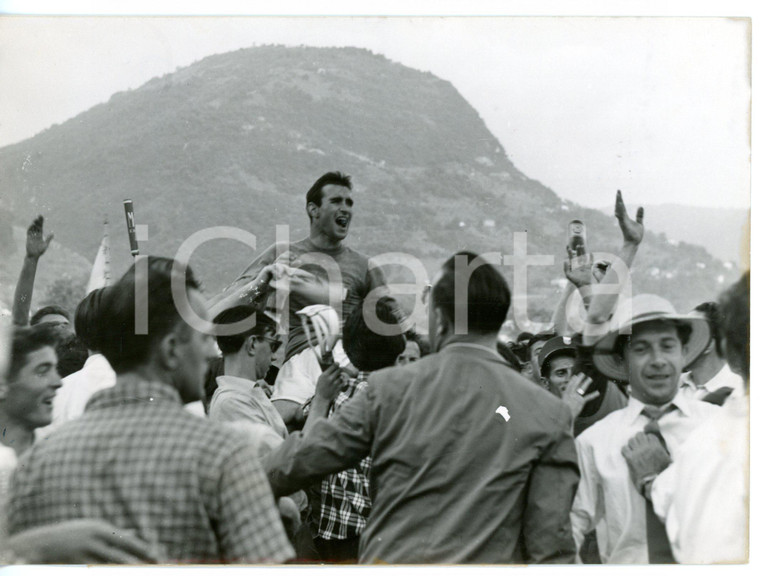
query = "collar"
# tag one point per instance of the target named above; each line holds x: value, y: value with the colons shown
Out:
x: 473, y: 347
x: 236, y: 383
x: 687, y: 380
x: 726, y: 377
x: 97, y: 359
x: 134, y: 391
x: 635, y: 406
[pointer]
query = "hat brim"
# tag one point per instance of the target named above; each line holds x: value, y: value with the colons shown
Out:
x: 609, y: 363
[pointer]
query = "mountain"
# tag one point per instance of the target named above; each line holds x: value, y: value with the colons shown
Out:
x: 237, y: 139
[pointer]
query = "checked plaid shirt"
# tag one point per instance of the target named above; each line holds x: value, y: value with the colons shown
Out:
x: 191, y: 488
x: 345, y: 496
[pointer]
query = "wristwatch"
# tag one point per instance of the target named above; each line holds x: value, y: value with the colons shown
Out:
x: 644, y: 486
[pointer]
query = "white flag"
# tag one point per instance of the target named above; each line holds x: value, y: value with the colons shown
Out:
x: 101, y: 269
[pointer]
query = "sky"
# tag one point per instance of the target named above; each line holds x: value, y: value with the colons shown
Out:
x: 656, y: 107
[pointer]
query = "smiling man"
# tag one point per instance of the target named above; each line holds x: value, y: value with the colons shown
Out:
x: 192, y: 489
x: 26, y: 395
x: 335, y: 268
x: 648, y: 349
x: 556, y: 361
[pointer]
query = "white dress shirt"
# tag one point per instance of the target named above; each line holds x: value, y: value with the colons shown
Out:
x: 242, y: 399
x: 606, y: 498
x: 76, y: 390
x: 703, y: 496
x: 724, y: 378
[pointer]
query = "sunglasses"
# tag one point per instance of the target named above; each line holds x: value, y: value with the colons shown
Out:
x: 274, y: 343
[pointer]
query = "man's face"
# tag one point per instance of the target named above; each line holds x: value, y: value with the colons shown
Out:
x: 263, y: 353
x: 195, y: 350
x: 655, y: 360
x: 29, y: 396
x: 333, y: 217
x: 410, y: 354
x: 559, y: 373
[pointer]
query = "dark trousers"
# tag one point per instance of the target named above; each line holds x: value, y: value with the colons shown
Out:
x: 338, y: 551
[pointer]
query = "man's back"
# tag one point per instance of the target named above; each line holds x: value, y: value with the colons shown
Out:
x: 137, y: 459
x: 464, y: 476
x: 471, y: 462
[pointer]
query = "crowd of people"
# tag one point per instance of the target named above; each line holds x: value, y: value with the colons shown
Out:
x: 142, y: 429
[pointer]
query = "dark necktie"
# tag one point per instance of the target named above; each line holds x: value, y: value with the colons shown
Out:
x: 657, y: 537
x: 719, y: 396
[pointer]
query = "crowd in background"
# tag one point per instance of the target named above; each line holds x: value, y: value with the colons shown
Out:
x: 133, y: 435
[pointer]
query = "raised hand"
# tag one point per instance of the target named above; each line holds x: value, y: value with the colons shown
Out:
x: 36, y: 241
x: 575, y: 394
x: 633, y: 231
x: 329, y: 383
x: 579, y: 275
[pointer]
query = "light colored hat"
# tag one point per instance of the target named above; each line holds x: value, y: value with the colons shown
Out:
x: 323, y: 323
x: 638, y: 310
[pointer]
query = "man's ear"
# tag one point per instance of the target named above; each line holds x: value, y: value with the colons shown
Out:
x: 168, y: 357
x: 4, y: 389
x: 249, y: 345
x: 312, y: 209
x: 442, y: 324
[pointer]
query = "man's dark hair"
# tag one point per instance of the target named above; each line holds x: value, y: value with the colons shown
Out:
x: 314, y: 195
x: 232, y: 344
x: 215, y: 369
x: 87, y: 319
x: 72, y: 354
x: 734, y: 314
x: 45, y: 310
x: 368, y: 350
x: 506, y: 352
x: 712, y: 315
x: 122, y: 347
x: 488, y: 294
x: 26, y: 340
x: 520, y: 350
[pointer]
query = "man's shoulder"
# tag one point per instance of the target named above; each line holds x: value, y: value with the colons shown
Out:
x: 167, y: 424
x: 353, y: 255
x: 698, y: 409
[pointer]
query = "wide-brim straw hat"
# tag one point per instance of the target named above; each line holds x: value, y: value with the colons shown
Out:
x: 638, y: 310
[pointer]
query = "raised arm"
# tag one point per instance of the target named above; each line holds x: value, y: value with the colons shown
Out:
x: 36, y: 245
x: 332, y: 444
x: 605, y: 297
